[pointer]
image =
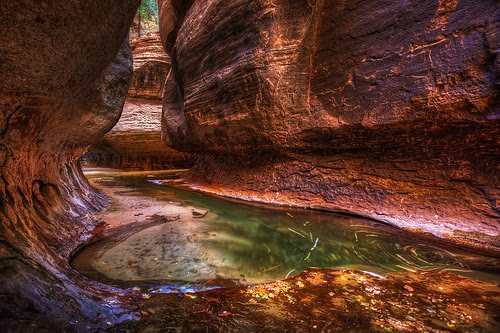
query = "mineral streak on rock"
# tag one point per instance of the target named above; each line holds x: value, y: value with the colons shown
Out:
x: 388, y: 110
x: 65, y: 67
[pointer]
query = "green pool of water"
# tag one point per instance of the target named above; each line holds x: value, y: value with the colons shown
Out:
x: 255, y: 243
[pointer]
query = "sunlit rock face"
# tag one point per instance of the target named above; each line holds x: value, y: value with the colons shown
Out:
x: 387, y: 110
x: 135, y: 142
x: 65, y: 67
x: 151, y: 67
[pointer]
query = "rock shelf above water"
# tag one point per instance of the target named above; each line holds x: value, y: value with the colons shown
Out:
x: 385, y: 110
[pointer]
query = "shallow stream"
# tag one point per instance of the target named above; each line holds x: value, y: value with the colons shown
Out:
x: 182, y: 237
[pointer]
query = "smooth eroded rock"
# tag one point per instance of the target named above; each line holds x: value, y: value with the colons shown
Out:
x: 65, y: 67
x: 135, y: 142
x: 388, y: 110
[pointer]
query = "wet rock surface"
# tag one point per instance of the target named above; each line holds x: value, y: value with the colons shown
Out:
x: 152, y: 229
x: 65, y: 67
x: 155, y: 235
x: 385, y: 110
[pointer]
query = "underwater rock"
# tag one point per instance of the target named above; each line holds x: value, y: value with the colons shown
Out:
x: 198, y: 213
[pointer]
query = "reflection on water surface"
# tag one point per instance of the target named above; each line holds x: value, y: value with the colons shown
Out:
x: 252, y: 243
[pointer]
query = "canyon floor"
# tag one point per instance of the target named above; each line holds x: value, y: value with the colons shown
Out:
x: 425, y: 299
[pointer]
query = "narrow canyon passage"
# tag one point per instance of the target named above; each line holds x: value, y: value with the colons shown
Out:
x: 249, y: 166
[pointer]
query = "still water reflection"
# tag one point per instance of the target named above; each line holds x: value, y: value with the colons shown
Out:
x: 253, y: 243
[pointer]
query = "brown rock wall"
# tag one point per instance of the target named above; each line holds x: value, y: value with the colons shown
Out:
x: 135, y: 142
x: 372, y: 85
x: 151, y: 68
x: 65, y: 67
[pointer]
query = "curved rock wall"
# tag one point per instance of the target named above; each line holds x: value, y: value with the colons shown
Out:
x: 135, y: 142
x: 384, y: 109
x: 65, y: 67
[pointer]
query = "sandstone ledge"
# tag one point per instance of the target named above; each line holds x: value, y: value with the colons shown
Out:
x: 449, y: 192
x: 135, y: 142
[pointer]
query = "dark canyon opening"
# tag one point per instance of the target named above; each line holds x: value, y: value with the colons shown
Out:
x: 243, y: 166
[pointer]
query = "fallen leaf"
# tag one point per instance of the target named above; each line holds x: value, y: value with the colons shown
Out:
x: 408, y: 288
x: 224, y: 313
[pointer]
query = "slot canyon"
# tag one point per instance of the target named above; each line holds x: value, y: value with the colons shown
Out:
x: 249, y: 166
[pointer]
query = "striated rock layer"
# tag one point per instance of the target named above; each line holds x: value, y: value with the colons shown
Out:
x: 151, y: 67
x: 387, y: 110
x: 65, y: 67
x: 135, y: 142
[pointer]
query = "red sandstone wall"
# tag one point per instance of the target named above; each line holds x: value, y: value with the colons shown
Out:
x: 65, y: 67
x: 385, y: 109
